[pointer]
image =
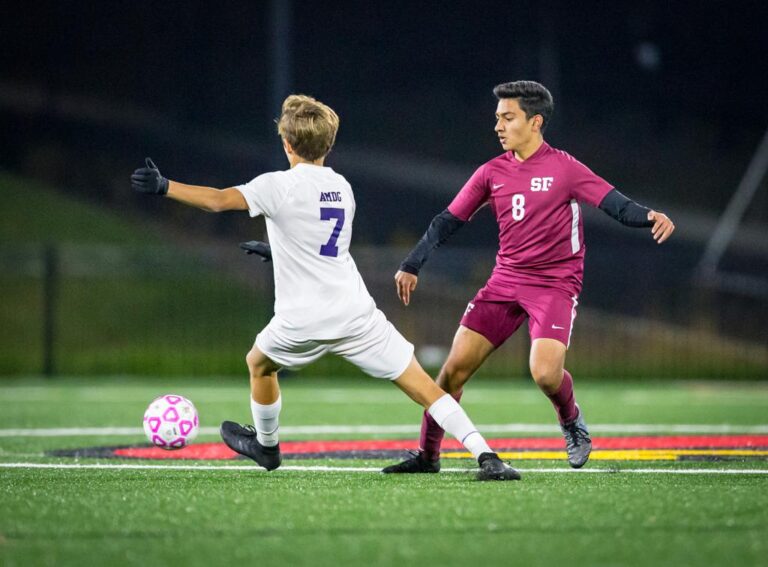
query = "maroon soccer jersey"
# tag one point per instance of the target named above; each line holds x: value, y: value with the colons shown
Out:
x: 536, y: 204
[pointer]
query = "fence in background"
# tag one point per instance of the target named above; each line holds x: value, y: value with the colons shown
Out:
x: 105, y: 309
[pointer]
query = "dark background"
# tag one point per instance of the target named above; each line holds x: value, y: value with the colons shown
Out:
x: 666, y: 100
x: 416, y: 78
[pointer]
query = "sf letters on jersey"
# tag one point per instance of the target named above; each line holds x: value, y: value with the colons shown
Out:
x: 538, y: 184
x: 541, y: 183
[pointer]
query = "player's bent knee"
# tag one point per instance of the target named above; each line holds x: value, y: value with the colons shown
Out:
x: 546, y: 375
x: 452, y: 377
x: 251, y: 359
x: 258, y: 364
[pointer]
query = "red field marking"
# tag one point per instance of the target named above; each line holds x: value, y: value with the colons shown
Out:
x: 217, y: 451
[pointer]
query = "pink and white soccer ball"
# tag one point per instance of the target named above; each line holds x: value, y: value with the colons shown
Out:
x: 171, y: 422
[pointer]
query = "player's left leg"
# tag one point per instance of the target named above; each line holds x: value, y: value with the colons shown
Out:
x: 260, y: 440
x: 272, y: 350
x: 552, y: 314
x: 546, y: 361
x: 266, y: 402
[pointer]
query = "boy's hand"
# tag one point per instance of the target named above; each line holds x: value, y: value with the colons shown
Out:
x: 405, y: 284
x: 662, y: 226
x: 148, y: 180
x: 259, y: 248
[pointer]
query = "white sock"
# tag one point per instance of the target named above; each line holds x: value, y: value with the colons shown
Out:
x: 265, y: 420
x: 448, y: 414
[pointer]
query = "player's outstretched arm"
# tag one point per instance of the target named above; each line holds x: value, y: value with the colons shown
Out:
x: 149, y: 180
x: 258, y: 248
x: 629, y: 213
x: 440, y: 229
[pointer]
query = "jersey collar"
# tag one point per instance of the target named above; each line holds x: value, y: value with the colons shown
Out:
x: 542, y: 150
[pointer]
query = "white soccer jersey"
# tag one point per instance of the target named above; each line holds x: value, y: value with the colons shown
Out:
x: 309, y: 210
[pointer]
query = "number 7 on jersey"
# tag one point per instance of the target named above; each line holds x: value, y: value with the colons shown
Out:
x: 330, y: 213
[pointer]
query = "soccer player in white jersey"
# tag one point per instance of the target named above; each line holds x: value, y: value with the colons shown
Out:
x: 321, y: 303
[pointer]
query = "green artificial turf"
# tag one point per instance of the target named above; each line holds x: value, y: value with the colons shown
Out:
x: 290, y: 517
x: 242, y: 518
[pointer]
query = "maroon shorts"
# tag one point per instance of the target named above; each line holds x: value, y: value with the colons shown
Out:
x: 550, y: 314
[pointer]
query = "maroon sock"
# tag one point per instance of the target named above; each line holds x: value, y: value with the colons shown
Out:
x: 432, y: 434
x: 564, y: 401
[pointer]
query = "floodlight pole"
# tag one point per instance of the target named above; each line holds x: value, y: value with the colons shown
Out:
x: 549, y: 54
x: 50, y: 285
x: 281, y: 59
x: 729, y: 220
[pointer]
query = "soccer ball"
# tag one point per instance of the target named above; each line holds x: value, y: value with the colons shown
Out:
x: 171, y: 422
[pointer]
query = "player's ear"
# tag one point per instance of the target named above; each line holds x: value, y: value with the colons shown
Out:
x: 287, y: 147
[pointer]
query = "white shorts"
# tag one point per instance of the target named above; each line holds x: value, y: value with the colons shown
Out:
x: 378, y: 349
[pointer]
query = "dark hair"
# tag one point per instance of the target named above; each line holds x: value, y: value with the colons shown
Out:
x: 534, y: 98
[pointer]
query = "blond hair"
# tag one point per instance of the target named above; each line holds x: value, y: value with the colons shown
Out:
x: 308, y: 125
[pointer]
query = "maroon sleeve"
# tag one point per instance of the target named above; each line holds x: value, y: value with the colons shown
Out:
x: 472, y: 196
x: 586, y: 186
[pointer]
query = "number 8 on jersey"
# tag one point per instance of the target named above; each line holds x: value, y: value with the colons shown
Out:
x: 518, y: 206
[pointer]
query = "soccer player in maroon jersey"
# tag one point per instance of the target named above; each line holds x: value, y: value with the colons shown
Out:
x: 534, y: 190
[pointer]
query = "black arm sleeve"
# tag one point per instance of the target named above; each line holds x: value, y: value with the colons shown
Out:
x: 440, y: 229
x: 625, y: 210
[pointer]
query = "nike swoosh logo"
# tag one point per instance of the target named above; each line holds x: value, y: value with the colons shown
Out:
x: 556, y: 327
x: 499, y: 186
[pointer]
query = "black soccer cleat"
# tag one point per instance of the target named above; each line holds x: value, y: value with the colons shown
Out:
x: 493, y: 468
x: 578, y: 444
x: 418, y: 463
x: 242, y: 439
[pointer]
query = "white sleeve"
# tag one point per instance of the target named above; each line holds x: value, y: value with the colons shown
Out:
x: 264, y: 194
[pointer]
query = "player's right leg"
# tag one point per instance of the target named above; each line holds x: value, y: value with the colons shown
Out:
x: 382, y: 352
x: 468, y: 352
x: 485, y: 326
x: 450, y: 417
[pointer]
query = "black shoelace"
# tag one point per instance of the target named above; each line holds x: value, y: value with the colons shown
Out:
x: 577, y: 435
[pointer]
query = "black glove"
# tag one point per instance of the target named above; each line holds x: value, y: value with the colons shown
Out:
x: 148, y: 180
x: 259, y: 248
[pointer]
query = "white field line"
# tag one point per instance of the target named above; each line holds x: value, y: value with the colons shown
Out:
x: 757, y: 395
x: 246, y: 468
x: 408, y: 429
